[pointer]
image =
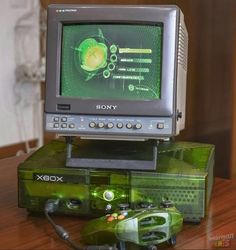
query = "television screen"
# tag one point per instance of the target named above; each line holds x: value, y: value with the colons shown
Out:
x: 111, y: 61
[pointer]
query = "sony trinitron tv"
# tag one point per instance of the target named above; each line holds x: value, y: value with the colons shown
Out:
x: 116, y: 71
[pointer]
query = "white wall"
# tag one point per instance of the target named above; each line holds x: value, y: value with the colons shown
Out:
x: 19, y: 32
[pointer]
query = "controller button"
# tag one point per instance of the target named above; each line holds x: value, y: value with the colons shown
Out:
x: 110, y: 218
x: 121, y: 217
x: 115, y: 215
x: 124, y: 213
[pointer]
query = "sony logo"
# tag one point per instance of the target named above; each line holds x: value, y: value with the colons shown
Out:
x: 49, y: 178
x: 106, y: 107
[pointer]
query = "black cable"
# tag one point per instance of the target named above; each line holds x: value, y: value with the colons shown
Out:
x: 51, y: 206
x: 62, y: 233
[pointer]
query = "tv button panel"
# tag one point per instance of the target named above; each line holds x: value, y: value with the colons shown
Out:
x: 114, y: 124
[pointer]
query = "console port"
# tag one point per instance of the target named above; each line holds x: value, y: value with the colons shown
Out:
x: 74, y: 203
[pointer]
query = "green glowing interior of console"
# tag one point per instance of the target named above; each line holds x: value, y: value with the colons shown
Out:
x: 111, y: 61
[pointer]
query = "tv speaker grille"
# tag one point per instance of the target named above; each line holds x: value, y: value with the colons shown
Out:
x: 182, y: 47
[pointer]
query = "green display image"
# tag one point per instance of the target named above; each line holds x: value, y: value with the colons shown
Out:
x: 93, y: 55
x: 111, y: 61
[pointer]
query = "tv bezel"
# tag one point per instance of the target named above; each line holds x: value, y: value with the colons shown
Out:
x: 58, y: 15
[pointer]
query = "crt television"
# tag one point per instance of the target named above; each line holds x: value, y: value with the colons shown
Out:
x: 116, y: 71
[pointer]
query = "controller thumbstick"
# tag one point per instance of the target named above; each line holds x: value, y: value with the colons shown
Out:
x: 123, y: 206
x: 167, y: 204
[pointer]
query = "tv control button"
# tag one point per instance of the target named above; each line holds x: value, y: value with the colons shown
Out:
x: 119, y: 125
x: 56, y: 119
x: 56, y: 125
x: 71, y: 125
x: 101, y: 125
x: 64, y: 125
x: 110, y: 125
x: 64, y: 119
x: 160, y: 125
x: 138, y: 126
x: 92, y: 124
x: 129, y: 125
x: 108, y: 195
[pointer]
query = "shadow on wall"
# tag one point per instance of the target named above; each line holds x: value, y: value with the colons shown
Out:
x: 222, y: 151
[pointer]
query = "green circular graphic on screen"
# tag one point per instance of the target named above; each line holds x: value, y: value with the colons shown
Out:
x: 111, y: 66
x: 92, y: 54
x: 106, y: 73
x: 113, y: 58
x: 113, y: 48
x: 131, y: 87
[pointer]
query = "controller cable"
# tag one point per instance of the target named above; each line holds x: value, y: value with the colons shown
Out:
x: 51, y: 206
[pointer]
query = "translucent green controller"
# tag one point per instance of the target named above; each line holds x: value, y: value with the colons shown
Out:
x: 144, y: 227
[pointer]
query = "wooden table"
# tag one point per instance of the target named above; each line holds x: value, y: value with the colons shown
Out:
x: 18, y: 230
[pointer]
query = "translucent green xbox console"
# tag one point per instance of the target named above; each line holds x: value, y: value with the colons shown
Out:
x: 184, y: 175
